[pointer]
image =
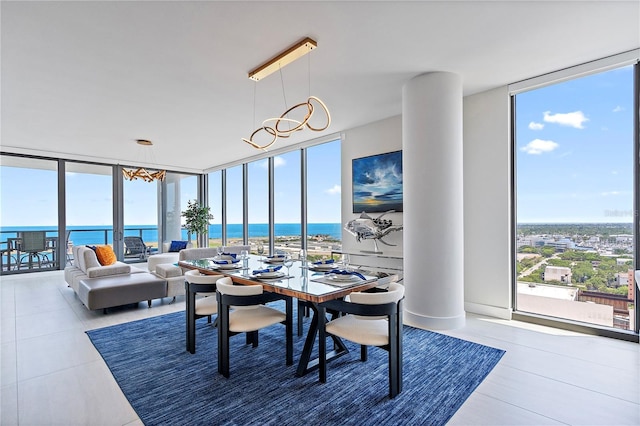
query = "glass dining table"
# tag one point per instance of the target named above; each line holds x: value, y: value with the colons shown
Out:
x: 311, y: 286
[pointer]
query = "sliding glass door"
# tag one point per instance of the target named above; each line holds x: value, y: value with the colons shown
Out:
x: 29, y: 215
x: 89, y: 205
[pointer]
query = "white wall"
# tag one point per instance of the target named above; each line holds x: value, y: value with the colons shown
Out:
x: 374, y: 138
x: 487, y: 204
x: 487, y: 196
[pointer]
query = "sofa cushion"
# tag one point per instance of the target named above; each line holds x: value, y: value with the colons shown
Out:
x: 168, y: 270
x: 105, y: 255
x: 86, y: 258
x: 117, y: 268
x: 176, y: 246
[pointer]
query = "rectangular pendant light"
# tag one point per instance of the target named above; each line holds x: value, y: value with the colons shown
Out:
x: 291, y: 54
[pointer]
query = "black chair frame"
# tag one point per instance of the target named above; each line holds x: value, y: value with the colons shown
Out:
x: 393, y: 311
x: 191, y: 315
x: 225, y: 301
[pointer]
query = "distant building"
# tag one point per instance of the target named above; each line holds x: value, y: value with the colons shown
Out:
x: 557, y: 273
x: 631, y: 293
x: 622, y: 278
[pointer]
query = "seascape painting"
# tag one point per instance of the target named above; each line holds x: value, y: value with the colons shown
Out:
x: 377, y: 183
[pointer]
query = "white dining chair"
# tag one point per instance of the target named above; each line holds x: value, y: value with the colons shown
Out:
x: 248, y: 316
x: 373, y: 318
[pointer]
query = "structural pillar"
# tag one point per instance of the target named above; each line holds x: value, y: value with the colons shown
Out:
x: 433, y: 201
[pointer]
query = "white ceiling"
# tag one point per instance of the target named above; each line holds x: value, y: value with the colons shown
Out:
x: 83, y: 80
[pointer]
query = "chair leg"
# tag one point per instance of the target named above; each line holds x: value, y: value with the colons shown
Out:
x: 395, y: 357
x: 363, y: 353
x: 223, y: 340
x: 289, y: 329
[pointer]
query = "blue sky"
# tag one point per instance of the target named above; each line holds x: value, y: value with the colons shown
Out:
x: 89, y: 197
x: 574, y: 150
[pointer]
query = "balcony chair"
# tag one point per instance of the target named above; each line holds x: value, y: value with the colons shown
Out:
x: 205, y: 306
x: 135, y: 247
x: 249, y: 315
x: 33, y: 245
x: 374, y: 318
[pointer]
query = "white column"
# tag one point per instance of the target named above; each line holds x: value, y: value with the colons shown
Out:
x: 433, y: 201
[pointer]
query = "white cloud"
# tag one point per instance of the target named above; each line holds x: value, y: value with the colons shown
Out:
x: 336, y: 189
x: 618, y: 108
x: 277, y: 162
x: 572, y: 119
x: 536, y: 126
x: 538, y: 146
x: 606, y: 194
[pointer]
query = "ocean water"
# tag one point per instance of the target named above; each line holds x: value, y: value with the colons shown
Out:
x: 103, y: 235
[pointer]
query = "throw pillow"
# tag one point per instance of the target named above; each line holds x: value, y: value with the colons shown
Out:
x: 177, y: 246
x: 105, y: 255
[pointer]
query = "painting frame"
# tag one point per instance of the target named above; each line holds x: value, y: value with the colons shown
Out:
x: 377, y: 183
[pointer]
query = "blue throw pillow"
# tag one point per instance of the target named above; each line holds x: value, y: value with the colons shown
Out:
x: 177, y: 246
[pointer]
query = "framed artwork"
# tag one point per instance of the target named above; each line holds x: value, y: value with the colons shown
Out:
x: 377, y: 183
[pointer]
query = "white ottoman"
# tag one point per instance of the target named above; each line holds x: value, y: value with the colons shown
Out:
x: 172, y: 274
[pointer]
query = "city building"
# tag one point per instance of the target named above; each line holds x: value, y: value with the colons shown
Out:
x: 557, y: 273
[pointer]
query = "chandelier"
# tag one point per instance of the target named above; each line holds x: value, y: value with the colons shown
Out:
x: 275, y: 127
x: 141, y: 172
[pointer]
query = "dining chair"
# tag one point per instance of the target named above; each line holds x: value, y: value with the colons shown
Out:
x: 373, y: 318
x: 249, y: 315
x: 205, y: 306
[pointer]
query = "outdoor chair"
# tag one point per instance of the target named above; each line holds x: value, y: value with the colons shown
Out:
x: 33, y: 245
x: 135, y: 247
x: 374, y: 318
x: 249, y: 315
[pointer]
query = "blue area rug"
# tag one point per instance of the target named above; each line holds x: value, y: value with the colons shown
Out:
x: 168, y: 386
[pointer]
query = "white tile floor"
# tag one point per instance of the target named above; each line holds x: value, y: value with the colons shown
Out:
x: 51, y: 373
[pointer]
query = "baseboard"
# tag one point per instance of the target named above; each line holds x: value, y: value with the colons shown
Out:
x: 490, y: 311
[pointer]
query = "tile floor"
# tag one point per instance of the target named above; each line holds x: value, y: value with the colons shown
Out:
x: 51, y: 374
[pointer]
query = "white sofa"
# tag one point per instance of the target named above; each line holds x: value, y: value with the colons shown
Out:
x: 85, y: 265
x: 103, y: 287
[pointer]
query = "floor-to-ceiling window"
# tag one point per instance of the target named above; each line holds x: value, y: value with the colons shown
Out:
x: 89, y: 205
x: 287, y: 212
x: 324, y: 229
x: 179, y: 189
x: 574, y: 183
x: 215, y: 207
x: 234, y: 206
x: 140, y: 215
x: 258, y: 203
x: 28, y: 214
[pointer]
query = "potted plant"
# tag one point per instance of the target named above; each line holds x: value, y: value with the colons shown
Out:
x: 197, y: 219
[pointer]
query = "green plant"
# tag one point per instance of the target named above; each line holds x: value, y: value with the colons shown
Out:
x: 196, y: 217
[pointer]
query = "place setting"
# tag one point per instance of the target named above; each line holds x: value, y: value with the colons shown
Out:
x: 270, y: 273
x: 323, y: 265
x: 341, y: 277
x: 226, y: 261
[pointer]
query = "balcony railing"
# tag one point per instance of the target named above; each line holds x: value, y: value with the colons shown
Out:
x: 14, y: 259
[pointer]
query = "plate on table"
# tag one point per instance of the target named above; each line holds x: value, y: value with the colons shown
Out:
x: 274, y: 260
x: 270, y: 275
x: 226, y: 258
x: 343, y: 278
x: 323, y: 267
x: 228, y: 266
